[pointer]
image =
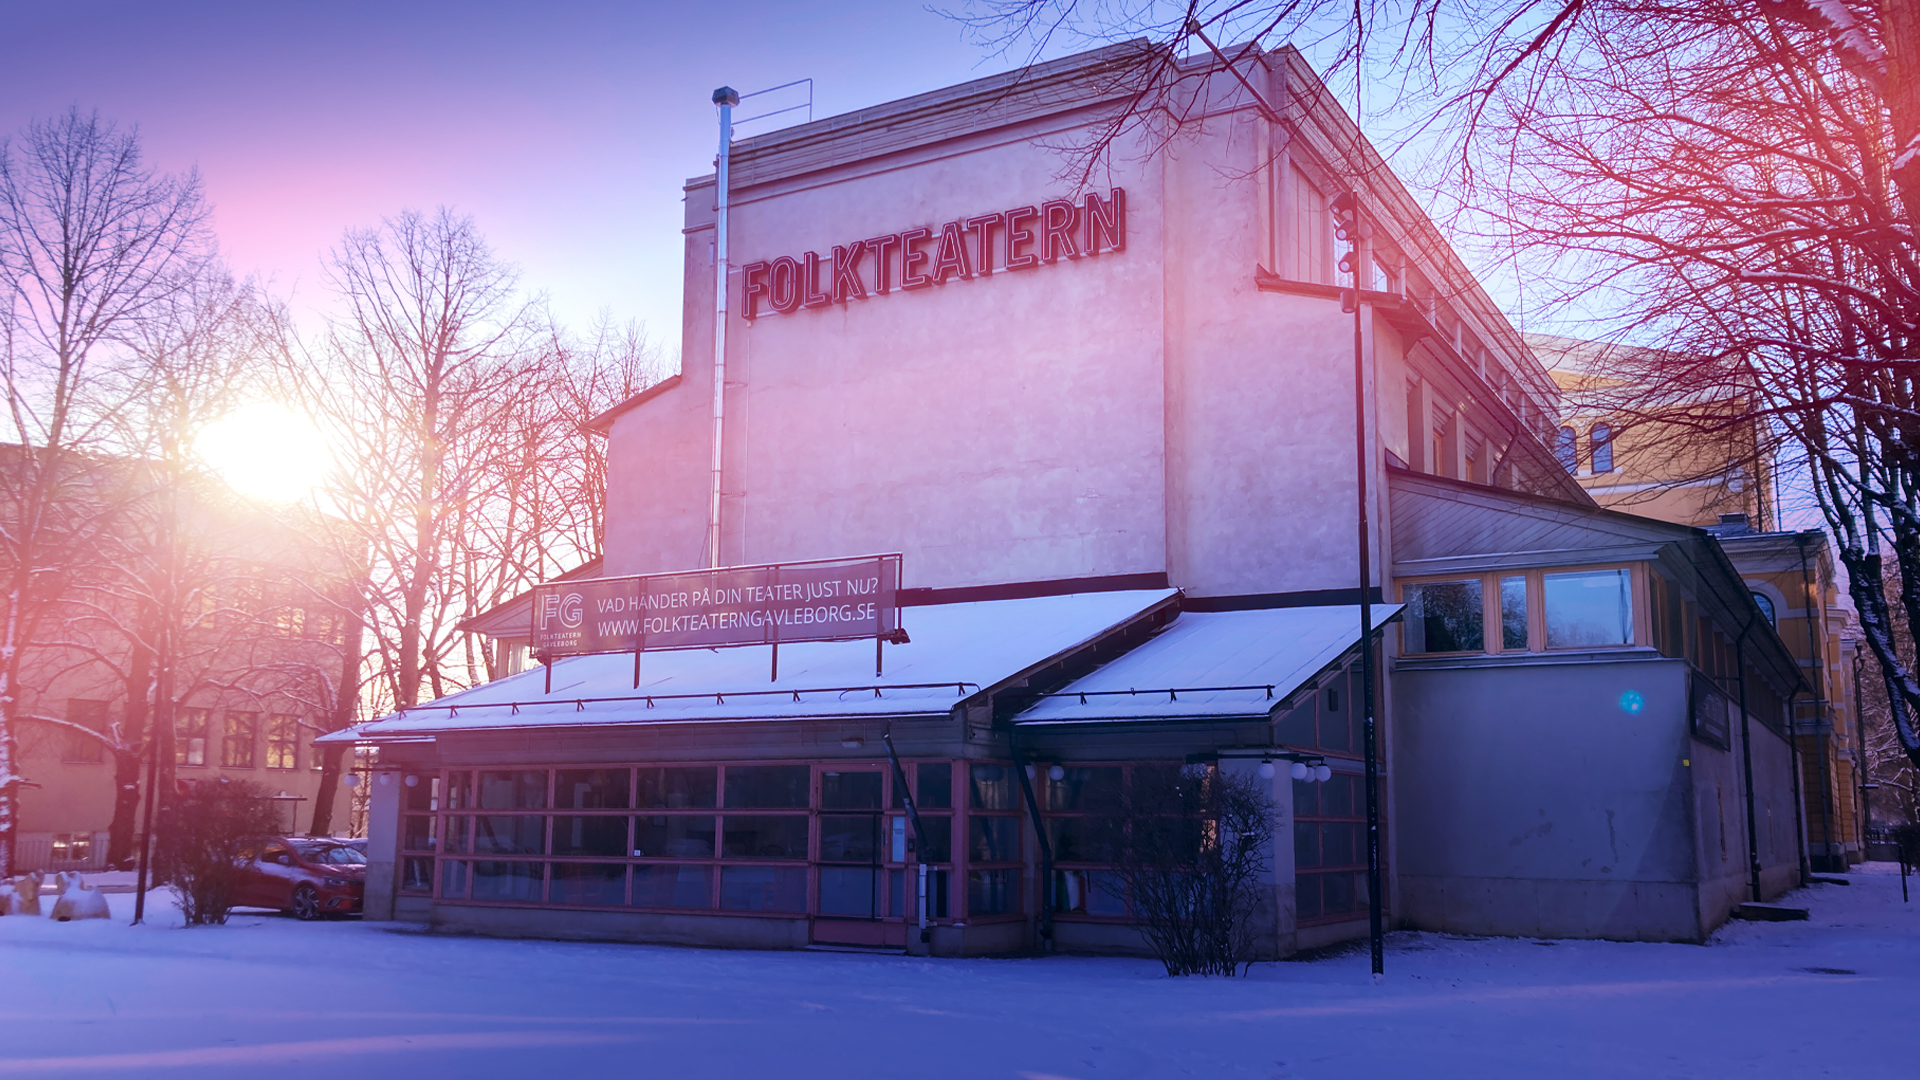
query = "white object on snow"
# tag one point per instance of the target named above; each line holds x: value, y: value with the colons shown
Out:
x: 79, y: 900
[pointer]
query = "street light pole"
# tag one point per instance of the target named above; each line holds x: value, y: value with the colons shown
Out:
x: 1348, y: 226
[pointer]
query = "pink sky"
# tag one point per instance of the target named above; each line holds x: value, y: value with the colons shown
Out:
x: 566, y: 129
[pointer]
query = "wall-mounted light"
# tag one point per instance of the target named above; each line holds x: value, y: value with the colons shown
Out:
x: 1267, y: 770
x: 1056, y: 773
x: 853, y: 742
x: 351, y: 780
x: 413, y: 781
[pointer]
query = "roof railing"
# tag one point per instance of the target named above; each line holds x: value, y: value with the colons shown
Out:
x: 719, y: 697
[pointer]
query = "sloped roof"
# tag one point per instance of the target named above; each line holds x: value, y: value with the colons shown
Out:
x: 1208, y: 665
x: 957, y: 650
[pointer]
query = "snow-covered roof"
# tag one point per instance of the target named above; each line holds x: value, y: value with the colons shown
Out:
x: 956, y: 650
x: 1211, y: 664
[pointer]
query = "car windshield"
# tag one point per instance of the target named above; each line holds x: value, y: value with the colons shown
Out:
x: 334, y: 855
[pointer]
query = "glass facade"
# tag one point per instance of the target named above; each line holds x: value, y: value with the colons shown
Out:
x: 776, y: 839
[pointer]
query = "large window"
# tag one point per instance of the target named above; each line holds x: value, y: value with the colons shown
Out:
x: 190, y: 736
x: 1445, y: 616
x: 1566, y: 447
x: 236, y: 747
x: 1588, y: 608
x: 1600, y: 446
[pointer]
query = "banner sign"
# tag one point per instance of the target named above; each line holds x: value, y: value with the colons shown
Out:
x: 822, y: 600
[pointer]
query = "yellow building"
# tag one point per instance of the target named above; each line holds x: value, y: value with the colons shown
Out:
x: 1711, y: 470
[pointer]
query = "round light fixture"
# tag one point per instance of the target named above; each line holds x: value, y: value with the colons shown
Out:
x: 1299, y: 771
x: 1323, y: 773
x: 351, y: 780
x: 1056, y: 773
x: 1266, y: 770
x: 413, y: 781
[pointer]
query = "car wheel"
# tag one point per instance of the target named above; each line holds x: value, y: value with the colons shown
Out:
x: 306, y: 904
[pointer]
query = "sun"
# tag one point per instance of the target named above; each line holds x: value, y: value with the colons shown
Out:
x: 266, y: 450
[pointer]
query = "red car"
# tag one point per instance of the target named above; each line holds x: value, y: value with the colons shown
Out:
x: 307, y: 878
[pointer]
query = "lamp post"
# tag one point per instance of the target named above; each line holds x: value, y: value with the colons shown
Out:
x: 1349, y: 226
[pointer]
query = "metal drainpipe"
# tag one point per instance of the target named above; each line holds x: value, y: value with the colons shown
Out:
x: 1818, y: 677
x: 1746, y: 755
x: 725, y: 97
x: 1040, y: 831
x: 1799, y: 804
x: 1860, y: 746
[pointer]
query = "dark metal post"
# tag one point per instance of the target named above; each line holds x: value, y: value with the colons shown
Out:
x: 1040, y: 831
x: 1817, y: 656
x: 1347, y: 223
x: 146, y: 836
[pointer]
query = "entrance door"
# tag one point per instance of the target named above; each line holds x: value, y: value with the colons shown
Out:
x: 852, y: 881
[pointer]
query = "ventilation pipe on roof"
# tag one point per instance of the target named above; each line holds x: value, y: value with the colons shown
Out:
x: 726, y: 97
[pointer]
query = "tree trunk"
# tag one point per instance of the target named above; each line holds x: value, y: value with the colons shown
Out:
x: 126, y: 804
x: 346, y: 696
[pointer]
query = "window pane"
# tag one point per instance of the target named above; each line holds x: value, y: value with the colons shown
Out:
x: 850, y: 790
x: 1336, y: 709
x: 939, y: 839
x: 1588, y: 608
x: 190, y: 737
x: 453, y: 878
x: 1306, y: 797
x: 1306, y: 896
x: 850, y: 890
x: 993, y: 839
x: 1337, y: 844
x: 509, y: 834
x: 673, y: 836
x: 675, y: 789
x: 1092, y: 790
x: 506, y: 881
x: 1089, y: 892
x: 1513, y: 613
x: 416, y: 832
x: 993, y: 892
x: 420, y: 795
x: 1306, y: 844
x: 1296, y: 728
x: 236, y: 749
x: 590, y: 836
x: 1337, y: 894
x: 763, y: 888
x: 416, y: 874
x: 595, y: 884
x: 992, y: 788
x: 1444, y: 616
x: 849, y: 837
x: 459, y: 790
x: 1088, y: 839
x: 673, y: 886
x: 765, y: 837
x: 767, y: 786
x: 458, y: 831
x: 590, y: 789
x: 521, y: 789
x: 1337, y: 796
x: 935, y: 790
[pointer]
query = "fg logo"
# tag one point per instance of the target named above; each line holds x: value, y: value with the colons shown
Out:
x: 567, y: 607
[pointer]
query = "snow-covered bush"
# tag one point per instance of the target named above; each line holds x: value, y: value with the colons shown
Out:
x: 202, y: 836
x: 1192, y: 846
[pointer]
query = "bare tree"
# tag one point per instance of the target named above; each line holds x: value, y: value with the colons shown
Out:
x: 417, y: 383
x: 91, y: 239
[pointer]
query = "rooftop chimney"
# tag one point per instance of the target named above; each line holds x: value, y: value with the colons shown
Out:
x: 1733, y: 523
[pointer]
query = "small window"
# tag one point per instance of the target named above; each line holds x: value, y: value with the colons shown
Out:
x: 1445, y: 616
x: 1600, y: 442
x: 283, y: 741
x: 1765, y: 604
x: 85, y: 749
x: 190, y: 736
x: 1567, y: 448
x: 236, y: 749
x: 1588, y: 608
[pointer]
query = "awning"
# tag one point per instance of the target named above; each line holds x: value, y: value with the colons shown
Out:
x: 956, y: 651
x: 1212, y: 665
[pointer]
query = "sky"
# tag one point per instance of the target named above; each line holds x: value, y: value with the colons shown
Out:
x: 565, y: 128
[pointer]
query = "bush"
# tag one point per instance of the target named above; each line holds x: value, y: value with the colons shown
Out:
x: 1193, y: 845
x: 201, y: 838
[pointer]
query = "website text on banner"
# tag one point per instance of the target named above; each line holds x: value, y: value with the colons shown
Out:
x: 827, y: 600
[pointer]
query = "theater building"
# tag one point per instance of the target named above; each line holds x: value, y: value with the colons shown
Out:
x: 1105, y: 433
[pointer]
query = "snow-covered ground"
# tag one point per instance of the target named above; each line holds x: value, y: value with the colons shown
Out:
x: 266, y: 996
